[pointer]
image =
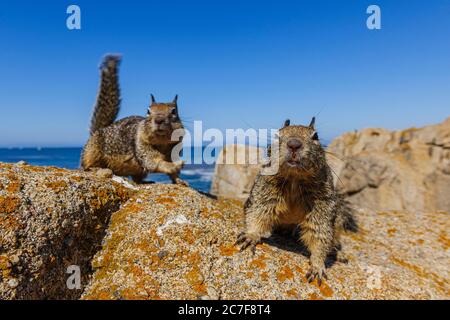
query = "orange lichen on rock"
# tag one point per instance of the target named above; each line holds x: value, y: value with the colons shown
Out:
x: 47, y: 222
x: 298, y: 269
x: 325, y: 290
x: 285, y: 274
x: 132, y: 294
x: 314, y: 296
x: 391, y: 231
x: 5, y: 266
x: 228, y: 250
x: 166, y: 201
x: 103, y: 295
x: 101, y: 196
x: 195, y: 279
x: 13, y: 186
x: 292, y: 293
x: 5, y: 165
x: 171, y: 194
x: 146, y: 248
x: 76, y: 178
x: 194, y: 256
x: 216, y: 215
x: 258, y: 262
x: 131, y: 207
x: 9, y: 204
x: 35, y: 168
x: 441, y: 284
x: 444, y: 240
x: 189, y: 236
x: 264, y: 276
x: 57, y: 186
x: 264, y: 247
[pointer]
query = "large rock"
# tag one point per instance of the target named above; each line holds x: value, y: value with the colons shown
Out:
x: 50, y: 219
x: 395, y: 170
x: 236, y: 170
x: 374, y: 168
x: 171, y: 242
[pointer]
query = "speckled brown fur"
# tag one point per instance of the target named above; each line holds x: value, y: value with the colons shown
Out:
x: 134, y: 146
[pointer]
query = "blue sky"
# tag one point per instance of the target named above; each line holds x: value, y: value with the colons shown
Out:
x: 234, y: 64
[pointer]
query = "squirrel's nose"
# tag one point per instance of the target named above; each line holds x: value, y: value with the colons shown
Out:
x: 294, y: 144
x: 159, y: 120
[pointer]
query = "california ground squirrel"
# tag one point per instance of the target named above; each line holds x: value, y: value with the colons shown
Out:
x: 301, y: 195
x: 134, y: 146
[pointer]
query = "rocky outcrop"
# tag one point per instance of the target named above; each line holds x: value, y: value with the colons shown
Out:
x: 170, y: 242
x: 50, y: 219
x: 395, y: 170
x: 236, y: 170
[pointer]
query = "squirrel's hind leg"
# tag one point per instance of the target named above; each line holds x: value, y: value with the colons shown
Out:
x: 139, y: 179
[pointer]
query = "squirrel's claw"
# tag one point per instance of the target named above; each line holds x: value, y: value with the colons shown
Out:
x: 247, y: 241
x: 319, y: 275
x: 240, y: 238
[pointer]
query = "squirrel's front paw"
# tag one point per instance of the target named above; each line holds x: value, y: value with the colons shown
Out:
x: 316, y: 272
x: 247, y: 240
x: 181, y: 182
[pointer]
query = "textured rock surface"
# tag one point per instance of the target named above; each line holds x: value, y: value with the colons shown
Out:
x: 234, y: 176
x: 50, y: 218
x: 395, y: 170
x: 170, y: 242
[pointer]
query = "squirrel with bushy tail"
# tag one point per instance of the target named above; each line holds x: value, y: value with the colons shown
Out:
x: 133, y: 146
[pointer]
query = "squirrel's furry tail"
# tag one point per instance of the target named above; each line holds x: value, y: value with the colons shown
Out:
x: 346, y: 216
x: 107, y: 105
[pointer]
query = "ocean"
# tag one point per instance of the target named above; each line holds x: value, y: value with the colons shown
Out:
x: 199, y: 176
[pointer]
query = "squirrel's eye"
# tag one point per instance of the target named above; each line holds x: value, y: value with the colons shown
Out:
x: 174, y: 112
x: 148, y: 111
x: 315, y: 136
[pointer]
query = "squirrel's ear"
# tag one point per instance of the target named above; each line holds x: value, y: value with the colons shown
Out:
x: 313, y: 123
x: 152, y: 98
x: 175, y: 99
x: 287, y: 123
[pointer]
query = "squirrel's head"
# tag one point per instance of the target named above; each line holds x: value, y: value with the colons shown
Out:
x: 300, y: 153
x: 163, y: 117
